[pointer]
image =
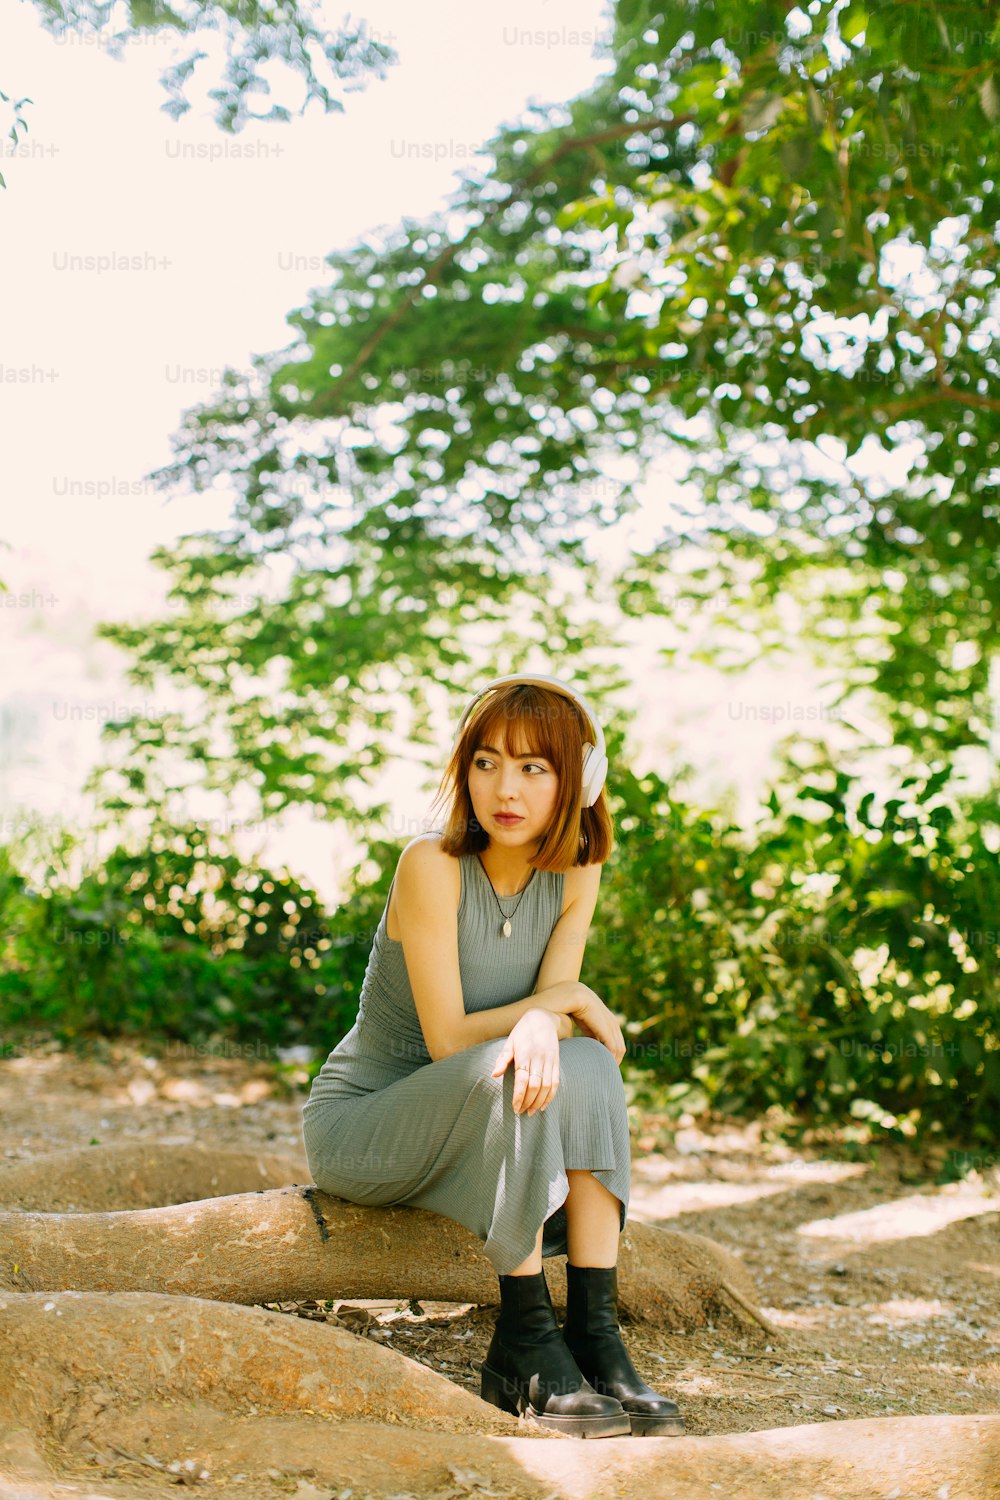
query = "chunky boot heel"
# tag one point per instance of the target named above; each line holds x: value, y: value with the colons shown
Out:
x: 499, y: 1392
x: 529, y: 1372
x: 593, y: 1338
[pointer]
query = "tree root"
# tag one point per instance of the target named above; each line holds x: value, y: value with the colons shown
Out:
x: 143, y: 1375
x: 67, y: 1357
x: 301, y: 1244
x: 753, y: 1310
x: 141, y: 1174
x: 139, y: 1387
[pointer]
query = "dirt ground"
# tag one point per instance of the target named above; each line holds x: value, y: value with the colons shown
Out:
x: 880, y: 1278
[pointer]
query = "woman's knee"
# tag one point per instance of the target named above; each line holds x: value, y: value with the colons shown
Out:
x: 588, y: 1064
x: 595, y: 1052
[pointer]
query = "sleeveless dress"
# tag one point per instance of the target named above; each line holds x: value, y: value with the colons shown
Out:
x: 383, y: 1124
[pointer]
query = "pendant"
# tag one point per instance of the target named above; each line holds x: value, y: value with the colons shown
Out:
x: 506, y: 928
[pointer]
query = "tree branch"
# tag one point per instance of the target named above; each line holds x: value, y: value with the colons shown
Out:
x: 438, y: 266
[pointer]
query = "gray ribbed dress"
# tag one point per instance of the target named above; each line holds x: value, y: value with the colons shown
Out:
x: 383, y: 1124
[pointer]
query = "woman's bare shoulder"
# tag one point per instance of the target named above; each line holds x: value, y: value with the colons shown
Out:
x: 430, y: 848
x: 431, y: 863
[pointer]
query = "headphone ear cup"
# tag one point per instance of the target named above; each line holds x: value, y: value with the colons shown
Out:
x: 595, y: 770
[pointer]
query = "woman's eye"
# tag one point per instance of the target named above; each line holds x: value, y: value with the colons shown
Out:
x: 485, y: 764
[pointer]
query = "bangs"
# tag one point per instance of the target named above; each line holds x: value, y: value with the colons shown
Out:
x: 522, y: 728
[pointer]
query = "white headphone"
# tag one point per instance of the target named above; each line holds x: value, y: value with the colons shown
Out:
x: 595, y: 760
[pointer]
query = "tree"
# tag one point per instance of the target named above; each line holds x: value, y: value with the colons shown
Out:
x: 707, y: 235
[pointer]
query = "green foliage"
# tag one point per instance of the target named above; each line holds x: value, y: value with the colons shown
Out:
x: 840, y: 963
x: 255, y: 31
x: 180, y: 940
x: 19, y: 123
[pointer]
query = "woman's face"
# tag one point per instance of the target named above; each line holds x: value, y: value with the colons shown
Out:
x: 525, y: 785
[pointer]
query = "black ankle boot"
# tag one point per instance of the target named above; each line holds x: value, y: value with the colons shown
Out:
x: 529, y: 1370
x: 593, y: 1338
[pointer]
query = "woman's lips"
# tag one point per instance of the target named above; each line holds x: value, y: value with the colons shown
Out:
x: 508, y: 818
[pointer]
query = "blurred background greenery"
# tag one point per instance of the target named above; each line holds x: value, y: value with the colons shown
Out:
x: 781, y: 221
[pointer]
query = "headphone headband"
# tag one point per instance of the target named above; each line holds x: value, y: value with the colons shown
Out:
x: 595, y: 760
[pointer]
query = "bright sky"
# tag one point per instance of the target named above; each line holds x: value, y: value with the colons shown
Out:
x: 98, y: 366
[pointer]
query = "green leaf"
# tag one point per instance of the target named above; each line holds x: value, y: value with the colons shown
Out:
x: 888, y: 900
x: 795, y: 155
x: 852, y: 22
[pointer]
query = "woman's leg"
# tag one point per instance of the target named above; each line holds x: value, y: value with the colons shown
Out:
x: 533, y: 1264
x: 592, y: 1220
x: 591, y: 1330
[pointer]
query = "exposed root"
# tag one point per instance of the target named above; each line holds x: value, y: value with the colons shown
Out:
x: 754, y: 1312
x: 264, y: 1247
x: 71, y: 1358
x: 137, y: 1174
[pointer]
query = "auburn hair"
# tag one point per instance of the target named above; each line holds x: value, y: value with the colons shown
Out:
x: 530, y: 720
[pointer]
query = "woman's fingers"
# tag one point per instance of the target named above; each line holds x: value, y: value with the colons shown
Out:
x: 534, y: 1045
x: 544, y: 1098
x: 608, y: 1032
x: 545, y: 1091
x: 524, y: 1089
x: 503, y: 1058
x: 533, y: 1091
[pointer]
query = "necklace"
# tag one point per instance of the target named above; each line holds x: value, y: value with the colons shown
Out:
x: 505, y: 929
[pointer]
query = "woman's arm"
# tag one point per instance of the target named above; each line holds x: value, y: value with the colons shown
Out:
x: 565, y: 1027
x: 485, y: 1025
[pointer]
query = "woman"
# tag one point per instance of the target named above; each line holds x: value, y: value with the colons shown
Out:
x: 461, y: 1088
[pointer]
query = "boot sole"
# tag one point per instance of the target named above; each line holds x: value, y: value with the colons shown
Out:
x: 499, y: 1391
x: 656, y: 1426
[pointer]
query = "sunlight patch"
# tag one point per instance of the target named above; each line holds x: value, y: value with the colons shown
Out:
x: 905, y: 1218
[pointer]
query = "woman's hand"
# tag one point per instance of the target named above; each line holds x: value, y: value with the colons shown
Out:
x: 533, y: 1044
x: 594, y: 1019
